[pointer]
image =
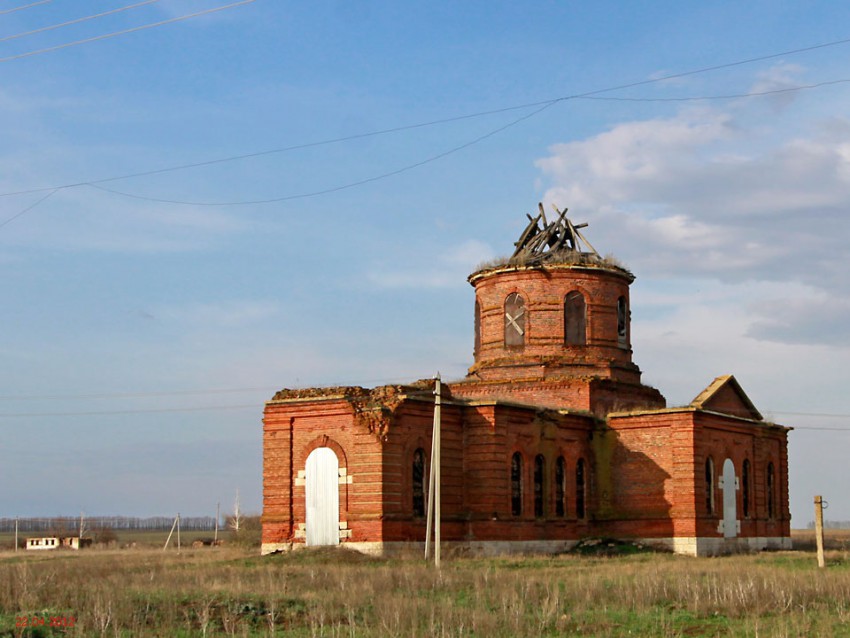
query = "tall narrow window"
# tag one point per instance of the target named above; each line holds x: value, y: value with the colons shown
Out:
x: 771, y: 491
x: 745, y: 488
x: 575, y: 319
x: 709, y: 485
x: 622, y: 322
x: 514, y: 321
x: 419, y: 482
x: 560, y: 487
x: 516, y: 484
x: 477, y: 346
x: 580, y: 489
x: 539, y: 471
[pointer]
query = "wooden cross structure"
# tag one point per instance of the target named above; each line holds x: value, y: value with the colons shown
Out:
x: 550, y: 240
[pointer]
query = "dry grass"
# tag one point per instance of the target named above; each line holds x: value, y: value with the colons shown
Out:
x: 337, y: 593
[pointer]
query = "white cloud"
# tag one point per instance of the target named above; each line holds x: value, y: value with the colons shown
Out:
x: 779, y: 77
x: 699, y: 194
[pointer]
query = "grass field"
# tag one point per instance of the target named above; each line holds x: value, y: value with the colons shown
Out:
x: 233, y: 591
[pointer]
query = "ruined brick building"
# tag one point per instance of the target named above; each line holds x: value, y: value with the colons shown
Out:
x: 550, y: 438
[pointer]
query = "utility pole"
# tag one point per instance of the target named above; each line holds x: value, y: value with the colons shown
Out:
x: 175, y: 525
x: 217, y: 516
x: 434, y: 482
x: 819, y: 529
x: 16, y: 533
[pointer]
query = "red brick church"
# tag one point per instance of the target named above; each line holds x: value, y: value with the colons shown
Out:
x: 550, y: 438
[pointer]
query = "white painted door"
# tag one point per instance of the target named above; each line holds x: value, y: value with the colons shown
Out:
x: 730, y: 501
x: 322, y: 488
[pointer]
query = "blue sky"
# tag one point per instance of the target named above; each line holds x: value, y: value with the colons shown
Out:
x: 140, y: 338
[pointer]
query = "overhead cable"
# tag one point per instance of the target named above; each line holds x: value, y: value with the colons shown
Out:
x: 76, y: 20
x: 374, y: 178
x: 334, y: 189
x: 26, y: 6
x: 205, y: 408
x: 543, y: 104
x: 26, y: 210
x: 125, y: 31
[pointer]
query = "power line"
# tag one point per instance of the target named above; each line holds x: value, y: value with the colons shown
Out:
x: 26, y: 6
x: 125, y: 31
x: 544, y: 103
x: 334, y: 189
x: 77, y: 20
x: 206, y: 408
x: 136, y: 395
x: 818, y: 414
x: 729, y: 96
x: 26, y: 210
x: 254, y: 406
x: 95, y: 184
x: 433, y: 158
x: 274, y: 151
x: 167, y: 393
x: 543, y: 106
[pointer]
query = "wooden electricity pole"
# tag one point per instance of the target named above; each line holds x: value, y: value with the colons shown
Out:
x: 217, y: 516
x: 434, y: 483
x: 819, y: 529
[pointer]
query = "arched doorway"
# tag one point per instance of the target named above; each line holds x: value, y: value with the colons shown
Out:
x: 322, y: 492
x: 730, y: 500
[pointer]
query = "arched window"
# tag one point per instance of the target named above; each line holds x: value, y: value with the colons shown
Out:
x: 516, y: 484
x: 745, y: 488
x: 419, y: 482
x: 580, y: 489
x: 539, y: 472
x: 575, y: 319
x: 477, y: 346
x: 771, y: 491
x: 709, y: 485
x: 560, y: 487
x: 514, y: 321
x: 622, y: 323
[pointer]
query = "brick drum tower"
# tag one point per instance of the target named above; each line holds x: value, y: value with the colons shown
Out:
x: 552, y: 325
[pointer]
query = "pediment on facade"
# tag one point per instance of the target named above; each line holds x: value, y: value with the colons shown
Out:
x: 725, y: 395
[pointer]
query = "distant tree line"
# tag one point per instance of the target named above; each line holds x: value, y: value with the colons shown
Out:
x: 69, y: 525
x: 831, y: 525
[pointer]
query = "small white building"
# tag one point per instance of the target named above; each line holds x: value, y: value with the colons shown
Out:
x: 57, y: 542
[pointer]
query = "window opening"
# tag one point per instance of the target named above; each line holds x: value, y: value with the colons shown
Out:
x: 516, y: 484
x: 515, y: 321
x: 419, y: 482
x: 622, y: 322
x: 709, y: 485
x: 477, y: 345
x: 560, y: 491
x: 575, y: 319
x: 539, y: 469
x: 580, y: 489
x: 771, y: 489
